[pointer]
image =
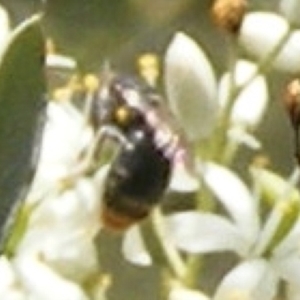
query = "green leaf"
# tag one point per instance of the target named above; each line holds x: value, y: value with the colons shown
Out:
x: 22, y: 115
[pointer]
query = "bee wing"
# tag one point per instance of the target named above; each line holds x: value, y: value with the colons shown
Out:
x: 166, y: 125
x: 22, y: 115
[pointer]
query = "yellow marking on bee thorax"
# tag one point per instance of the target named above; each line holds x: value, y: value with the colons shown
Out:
x: 123, y: 116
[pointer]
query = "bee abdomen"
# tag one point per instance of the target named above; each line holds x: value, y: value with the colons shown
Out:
x: 119, y: 214
x: 136, y: 182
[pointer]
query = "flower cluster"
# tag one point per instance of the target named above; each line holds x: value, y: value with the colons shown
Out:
x: 55, y: 256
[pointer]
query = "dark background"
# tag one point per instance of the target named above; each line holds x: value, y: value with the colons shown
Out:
x: 93, y: 31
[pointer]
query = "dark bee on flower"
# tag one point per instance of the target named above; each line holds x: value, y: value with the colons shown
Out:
x: 129, y: 112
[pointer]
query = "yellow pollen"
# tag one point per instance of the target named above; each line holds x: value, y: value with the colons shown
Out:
x: 90, y: 82
x: 148, y: 66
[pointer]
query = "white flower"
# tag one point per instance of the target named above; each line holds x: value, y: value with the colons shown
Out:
x: 62, y: 230
x: 228, y: 188
x: 191, y: 87
x: 64, y: 222
x: 57, y: 253
x: 65, y: 136
x: 262, y: 31
x: 56, y: 239
x: 264, y: 263
x: 42, y: 282
x: 291, y: 10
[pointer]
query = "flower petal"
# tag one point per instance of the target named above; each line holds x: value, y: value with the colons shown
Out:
x: 293, y: 292
x: 65, y: 134
x: 182, y: 180
x: 69, y: 209
x: 252, y: 279
x: 239, y: 135
x: 196, y: 232
x: 7, y: 276
x: 260, y: 40
x: 64, y: 138
x: 251, y: 103
x: 288, y: 60
x: 10, y: 289
x: 234, y: 196
x: 288, y: 268
x: 180, y: 293
x: 60, y: 62
x: 63, y: 252
x: 134, y: 249
x: 43, y: 283
x: 4, y: 29
x: 62, y: 229
x: 191, y: 87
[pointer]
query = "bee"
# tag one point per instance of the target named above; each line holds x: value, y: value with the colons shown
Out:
x: 128, y: 111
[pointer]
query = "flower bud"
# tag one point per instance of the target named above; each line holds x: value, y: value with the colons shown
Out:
x: 292, y: 102
x: 262, y: 32
x: 251, y: 103
x: 228, y: 14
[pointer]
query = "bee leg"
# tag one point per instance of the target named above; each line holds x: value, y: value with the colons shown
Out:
x: 114, y: 134
x: 87, y: 160
x: 87, y: 111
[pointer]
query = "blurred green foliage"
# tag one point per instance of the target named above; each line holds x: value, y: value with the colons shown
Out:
x: 95, y: 30
x: 22, y: 114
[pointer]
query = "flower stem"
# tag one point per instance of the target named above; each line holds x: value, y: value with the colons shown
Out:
x: 220, y: 139
x: 219, y: 150
x: 161, y: 248
x: 16, y: 230
x: 282, y: 218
